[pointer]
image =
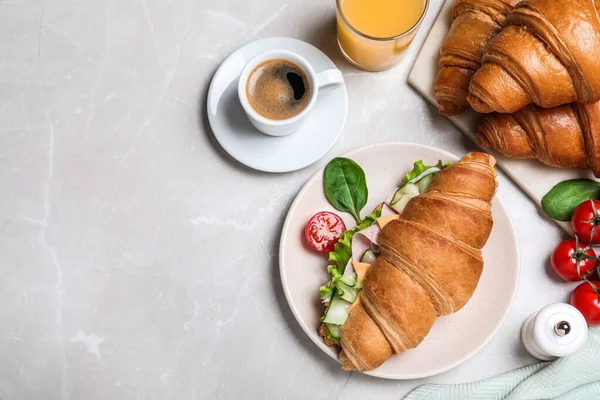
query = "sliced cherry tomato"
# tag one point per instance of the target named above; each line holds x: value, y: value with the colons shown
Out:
x: 586, y: 299
x: 586, y: 222
x: 323, y: 231
x: 565, y: 257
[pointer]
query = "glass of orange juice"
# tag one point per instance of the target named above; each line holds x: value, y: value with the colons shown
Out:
x: 373, y: 34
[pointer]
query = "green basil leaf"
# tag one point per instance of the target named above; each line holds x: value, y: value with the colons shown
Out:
x: 562, y: 199
x: 345, y: 186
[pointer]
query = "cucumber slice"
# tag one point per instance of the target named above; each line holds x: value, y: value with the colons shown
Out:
x: 358, y: 285
x: 349, y: 296
x: 425, y: 173
x: 368, y: 257
x: 334, y: 331
x: 337, y: 312
x: 424, y: 183
x: 349, y: 280
x: 352, y: 281
x: 348, y: 293
x: 403, y: 196
x: 409, y: 190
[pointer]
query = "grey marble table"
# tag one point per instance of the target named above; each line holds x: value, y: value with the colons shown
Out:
x: 137, y: 259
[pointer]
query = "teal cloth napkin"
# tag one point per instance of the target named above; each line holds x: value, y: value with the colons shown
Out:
x: 576, y: 377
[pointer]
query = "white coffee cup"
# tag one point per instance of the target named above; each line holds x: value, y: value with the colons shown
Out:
x: 316, y: 80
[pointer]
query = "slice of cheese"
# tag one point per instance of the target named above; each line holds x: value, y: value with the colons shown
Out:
x: 361, y: 269
x: 383, y: 221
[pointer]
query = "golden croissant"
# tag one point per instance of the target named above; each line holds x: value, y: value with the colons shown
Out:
x: 429, y: 265
x: 547, y: 53
x: 566, y: 136
x: 474, y: 23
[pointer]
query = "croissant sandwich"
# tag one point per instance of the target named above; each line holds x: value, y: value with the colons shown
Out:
x: 547, y: 54
x: 405, y: 288
x: 474, y: 23
x: 566, y: 136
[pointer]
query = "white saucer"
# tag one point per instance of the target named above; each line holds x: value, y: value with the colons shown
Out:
x: 267, y: 153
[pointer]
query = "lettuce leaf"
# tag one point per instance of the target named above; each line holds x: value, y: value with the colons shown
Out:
x: 342, y: 253
x: 419, y: 168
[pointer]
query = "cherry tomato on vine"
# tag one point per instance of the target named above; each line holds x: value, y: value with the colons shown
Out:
x: 323, y: 231
x: 565, y: 257
x: 586, y: 299
x: 585, y: 221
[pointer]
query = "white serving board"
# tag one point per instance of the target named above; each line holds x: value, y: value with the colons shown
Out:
x: 534, y: 178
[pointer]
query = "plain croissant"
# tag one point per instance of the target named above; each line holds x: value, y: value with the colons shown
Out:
x: 566, y: 136
x: 547, y: 53
x: 429, y: 266
x: 474, y: 23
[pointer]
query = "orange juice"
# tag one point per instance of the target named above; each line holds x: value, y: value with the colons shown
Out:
x: 374, y: 33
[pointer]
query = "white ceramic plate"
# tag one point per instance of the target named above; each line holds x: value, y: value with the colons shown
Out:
x: 534, y: 178
x: 454, y: 338
x: 245, y: 143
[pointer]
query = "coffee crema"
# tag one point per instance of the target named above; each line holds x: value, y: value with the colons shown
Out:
x: 278, y: 89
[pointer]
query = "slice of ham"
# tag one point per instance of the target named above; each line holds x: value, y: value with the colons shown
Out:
x: 349, y: 270
x: 365, y: 240
x: 387, y: 210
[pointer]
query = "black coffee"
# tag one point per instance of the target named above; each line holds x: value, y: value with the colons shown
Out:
x: 278, y: 89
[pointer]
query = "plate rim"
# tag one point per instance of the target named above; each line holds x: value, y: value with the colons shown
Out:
x: 319, y: 343
x: 252, y: 165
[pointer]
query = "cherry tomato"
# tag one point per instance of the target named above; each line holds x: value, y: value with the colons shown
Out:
x: 586, y: 299
x: 564, y: 260
x: 584, y: 219
x: 323, y: 231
